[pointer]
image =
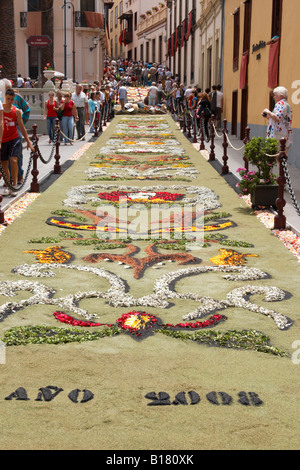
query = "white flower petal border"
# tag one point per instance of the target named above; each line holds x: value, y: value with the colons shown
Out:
x: 163, y: 290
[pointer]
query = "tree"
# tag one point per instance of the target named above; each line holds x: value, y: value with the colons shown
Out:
x: 8, y: 55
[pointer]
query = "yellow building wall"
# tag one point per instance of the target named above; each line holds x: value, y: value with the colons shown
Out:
x: 290, y: 56
x: 261, y: 29
x: 289, y: 67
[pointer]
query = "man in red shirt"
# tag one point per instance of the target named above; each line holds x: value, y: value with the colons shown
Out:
x: 12, y: 117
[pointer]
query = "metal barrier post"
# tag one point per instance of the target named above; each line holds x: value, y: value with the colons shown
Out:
x: 280, y: 219
x: 225, y: 169
x: 100, y: 119
x: 195, y: 128
x: 202, y: 145
x: 246, y: 140
x: 184, y: 121
x: 35, y: 187
x: 96, y: 121
x: 212, y: 155
x: 57, y: 167
x: 2, y: 219
x: 189, y: 126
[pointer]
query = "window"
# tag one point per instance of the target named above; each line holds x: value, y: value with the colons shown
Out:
x: 192, y: 76
x: 142, y: 53
x: 116, y: 17
x: 34, y: 5
x: 247, y: 25
x: 121, y: 8
x: 160, y: 48
x: 153, y: 51
x: 116, y: 46
x: 276, y: 18
x: 236, y: 39
x: 135, y: 21
x: 87, y: 5
x: 111, y: 19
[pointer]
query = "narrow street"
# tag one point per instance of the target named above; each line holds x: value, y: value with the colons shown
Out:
x: 152, y: 299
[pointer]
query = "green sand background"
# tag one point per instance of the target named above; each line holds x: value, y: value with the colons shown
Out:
x: 120, y: 370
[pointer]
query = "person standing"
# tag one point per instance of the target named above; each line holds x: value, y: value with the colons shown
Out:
x: 50, y: 114
x: 92, y: 108
x: 153, y: 94
x: 280, y: 119
x: 69, y: 112
x: 20, y: 81
x: 81, y: 102
x: 11, y: 141
x: 122, y: 96
x: 21, y: 104
x: 219, y: 106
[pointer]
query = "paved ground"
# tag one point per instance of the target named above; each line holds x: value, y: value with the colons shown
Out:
x: 46, y: 170
x: 235, y: 161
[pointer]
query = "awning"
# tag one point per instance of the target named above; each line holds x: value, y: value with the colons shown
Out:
x: 273, y: 68
x: 34, y: 23
x: 190, y: 24
x: 94, y: 20
x: 183, y: 33
x: 122, y: 38
x: 176, y: 39
x: 243, y: 73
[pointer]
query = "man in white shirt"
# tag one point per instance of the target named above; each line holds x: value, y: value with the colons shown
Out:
x: 153, y: 94
x: 122, y: 95
x: 81, y: 103
x: 20, y: 81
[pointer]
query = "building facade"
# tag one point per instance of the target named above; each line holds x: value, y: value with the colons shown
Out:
x: 116, y: 46
x: 77, y: 33
x: 183, y: 39
x: 259, y: 55
x: 210, y: 34
x: 152, y: 35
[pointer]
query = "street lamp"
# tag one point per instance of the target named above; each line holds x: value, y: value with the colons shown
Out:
x: 70, y: 5
x: 95, y: 42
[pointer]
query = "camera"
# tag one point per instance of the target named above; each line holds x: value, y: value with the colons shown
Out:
x: 264, y: 114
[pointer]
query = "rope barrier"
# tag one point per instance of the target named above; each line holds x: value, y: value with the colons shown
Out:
x: 290, y: 186
x: 234, y: 148
x: 83, y: 137
x: 19, y: 187
x: 56, y: 134
x: 219, y: 136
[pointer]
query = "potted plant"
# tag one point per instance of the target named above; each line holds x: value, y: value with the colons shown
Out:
x: 260, y: 182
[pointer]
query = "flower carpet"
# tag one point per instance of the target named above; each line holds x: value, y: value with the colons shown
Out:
x: 140, y: 296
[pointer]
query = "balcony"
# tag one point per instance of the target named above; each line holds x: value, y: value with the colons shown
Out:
x: 156, y: 19
x: 128, y: 37
x: 89, y: 20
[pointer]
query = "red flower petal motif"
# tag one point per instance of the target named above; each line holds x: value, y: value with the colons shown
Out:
x: 64, y: 318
